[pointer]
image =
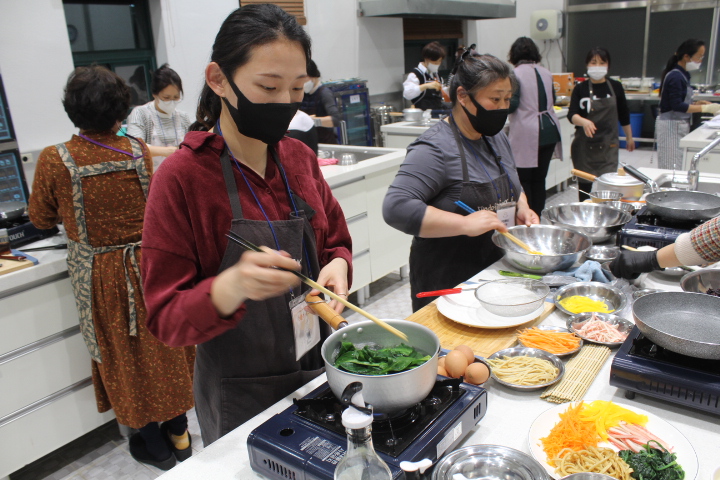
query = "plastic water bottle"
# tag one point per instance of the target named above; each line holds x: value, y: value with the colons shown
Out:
x: 360, y: 462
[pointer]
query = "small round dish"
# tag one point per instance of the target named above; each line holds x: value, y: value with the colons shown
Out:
x: 550, y: 328
x: 611, y: 296
x: 577, y: 321
x: 512, y: 297
x: 528, y: 352
x: 601, y: 253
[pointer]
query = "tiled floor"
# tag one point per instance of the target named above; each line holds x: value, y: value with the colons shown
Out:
x: 103, y: 453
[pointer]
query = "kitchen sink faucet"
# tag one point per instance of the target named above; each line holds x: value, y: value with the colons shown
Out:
x: 694, y: 173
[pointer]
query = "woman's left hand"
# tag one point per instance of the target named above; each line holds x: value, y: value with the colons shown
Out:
x: 630, y: 144
x: 334, y: 274
x: 525, y: 216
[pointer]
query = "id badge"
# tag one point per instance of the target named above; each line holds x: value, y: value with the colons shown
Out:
x: 506, y: 213
x: 306, y: 326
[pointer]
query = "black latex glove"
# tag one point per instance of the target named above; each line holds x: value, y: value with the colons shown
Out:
x: 631, y: 264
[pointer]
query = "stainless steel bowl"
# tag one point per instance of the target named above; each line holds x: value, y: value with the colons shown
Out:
x: 523, y: 296
x: 701, y: 280
x: 602, y: 253
x: 613, y: 298
x: 577, y: 321
x: 561, y: 247
x: 601, y: 196
x: 624, y: 206
x: 550, y: 328
x: 595, y: 220
x: 489, y: 462
x: 347, y: 159
x: 528, y: 352
x: 588, y: 476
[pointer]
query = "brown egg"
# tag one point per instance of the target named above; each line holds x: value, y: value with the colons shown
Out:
x: 442, y: 371
x: 477, y: 373
x: 468, y: 353
x: 456, y: 363
x: 441, y: 362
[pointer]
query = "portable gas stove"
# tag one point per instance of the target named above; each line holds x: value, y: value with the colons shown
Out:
x: 646, y: 228
x: 307, y: 440
x: 644, y: 367
x: 22, y: 232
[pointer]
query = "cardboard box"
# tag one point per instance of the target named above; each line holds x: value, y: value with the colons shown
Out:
x: 563, y: 83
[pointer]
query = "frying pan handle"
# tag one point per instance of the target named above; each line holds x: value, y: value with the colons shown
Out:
x: 584, y: 175
x: 331, y: 317
x: 640, y: 176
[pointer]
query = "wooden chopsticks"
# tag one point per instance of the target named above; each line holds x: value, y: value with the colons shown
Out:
x: 308, y: 281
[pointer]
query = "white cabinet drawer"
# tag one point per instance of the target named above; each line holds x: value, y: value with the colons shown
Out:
x: 36, y: 313
x: 351, y: 197
x: 358, y: 226
x: 361, y: 270
x: 36, y: 375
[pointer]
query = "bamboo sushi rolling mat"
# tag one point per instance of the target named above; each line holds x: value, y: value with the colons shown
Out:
x: 580, y: 372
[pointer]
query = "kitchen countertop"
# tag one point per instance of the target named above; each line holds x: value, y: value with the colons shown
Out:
x: 336, y: 174
x: 699, y: 138
x: 507, y: 422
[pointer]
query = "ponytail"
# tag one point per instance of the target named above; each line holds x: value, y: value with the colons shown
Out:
x: 689, y: 48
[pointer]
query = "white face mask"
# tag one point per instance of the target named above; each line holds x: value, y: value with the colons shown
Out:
x: 308, y: 86
x: 167, y: 106
x: 597, y: 73
x: 433, y: 68
x: 692, y: 66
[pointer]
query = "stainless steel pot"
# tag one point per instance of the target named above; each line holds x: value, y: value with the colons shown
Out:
x: 631, y: 188
x: 413, y: 114
x: 386, y: 393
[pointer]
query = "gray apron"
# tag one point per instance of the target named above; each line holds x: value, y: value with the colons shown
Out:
x: 243, y: 371
x: 670, y: 128
x: 81, y: 253
x: 439, y: 263
x: 599, y: 154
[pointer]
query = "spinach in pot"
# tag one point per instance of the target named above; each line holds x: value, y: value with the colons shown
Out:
x: 378, y: 361
x: 653, y: 463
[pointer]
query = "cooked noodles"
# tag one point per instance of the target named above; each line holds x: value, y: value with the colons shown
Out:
x: 523, y: 370
x: 594, y: 460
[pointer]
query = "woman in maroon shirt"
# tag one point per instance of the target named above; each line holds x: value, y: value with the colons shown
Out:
x: 238, y: 172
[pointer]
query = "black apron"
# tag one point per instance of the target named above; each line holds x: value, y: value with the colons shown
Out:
x: 429, y: 99
x: 312, y: 105
x: 599, y: 154
x: 247, y: 369
x: 439, y: 263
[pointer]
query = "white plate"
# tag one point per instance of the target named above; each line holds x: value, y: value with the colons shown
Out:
x: 466, y: 309
x: 686, y: 456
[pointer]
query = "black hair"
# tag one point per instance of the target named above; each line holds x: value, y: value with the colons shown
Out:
x: 244, y: 29
x: 524, y: 50
x: 599, y: 52
x: 474, y: 72
x: 433, y: 51
x: 312, y: 69
x: 96, y: 98
x: 688, y: 47
x: 164, y: 77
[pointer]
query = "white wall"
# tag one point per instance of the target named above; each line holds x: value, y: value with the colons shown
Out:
x: 496, y: 36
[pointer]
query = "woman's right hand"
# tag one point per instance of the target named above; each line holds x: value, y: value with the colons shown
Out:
x: 589, y: 128
x: 253, y: 278
x: 481, y: 222
x: 431, y: 85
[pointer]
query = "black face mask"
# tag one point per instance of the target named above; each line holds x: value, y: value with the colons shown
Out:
x: 486, y: 122
x: 266, y: 122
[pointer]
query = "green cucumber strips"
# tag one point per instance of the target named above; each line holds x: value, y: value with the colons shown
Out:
x: 371, y: 360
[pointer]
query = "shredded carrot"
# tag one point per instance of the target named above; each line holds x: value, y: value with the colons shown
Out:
x: 571, y: 432
x: 553, y: 342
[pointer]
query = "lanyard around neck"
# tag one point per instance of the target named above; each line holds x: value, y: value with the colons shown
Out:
x: 109, y: 147
x: 162, y: 129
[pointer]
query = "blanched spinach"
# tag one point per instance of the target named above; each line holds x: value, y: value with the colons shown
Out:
x: 652, y: 463
x: 382, y: 361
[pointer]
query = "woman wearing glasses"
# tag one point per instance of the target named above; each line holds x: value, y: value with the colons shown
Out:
x: 465, y: 157
x: 158, y: 123
x: 676, y: 102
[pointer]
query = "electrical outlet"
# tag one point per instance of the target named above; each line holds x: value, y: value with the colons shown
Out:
x: 27, y: 157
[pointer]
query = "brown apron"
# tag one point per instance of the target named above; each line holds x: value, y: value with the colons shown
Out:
x: 81, y: 253
x: 247, y: 369
x: 599, y: 154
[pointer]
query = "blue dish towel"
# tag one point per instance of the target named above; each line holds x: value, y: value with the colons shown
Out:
x: 590, y: 271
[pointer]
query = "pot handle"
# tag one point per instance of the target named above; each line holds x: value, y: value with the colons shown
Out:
x: 634, y: 172
x: 584, y: 175
x: 331, y: 317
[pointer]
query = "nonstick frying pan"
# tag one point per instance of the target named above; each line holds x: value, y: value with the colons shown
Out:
x: 678, y: 205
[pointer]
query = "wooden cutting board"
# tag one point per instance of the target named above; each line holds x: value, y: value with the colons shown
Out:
x: 9, y: 266
x: 483, y: 341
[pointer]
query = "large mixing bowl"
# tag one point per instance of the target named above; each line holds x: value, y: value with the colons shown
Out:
x: 595, y: 220
x: 489, y: 462
x: 561, y: 247
x: 386, y: 393
x: 700, y: 281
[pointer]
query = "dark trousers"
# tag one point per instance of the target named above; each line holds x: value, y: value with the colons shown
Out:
x: 533, y: 179
x: 585, y: 186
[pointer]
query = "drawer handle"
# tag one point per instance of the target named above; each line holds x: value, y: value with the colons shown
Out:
x: 361, y: 253
x: 38, y: 344
x: 44, y: 402
x: 356, y: 218
x: 347, y: 182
